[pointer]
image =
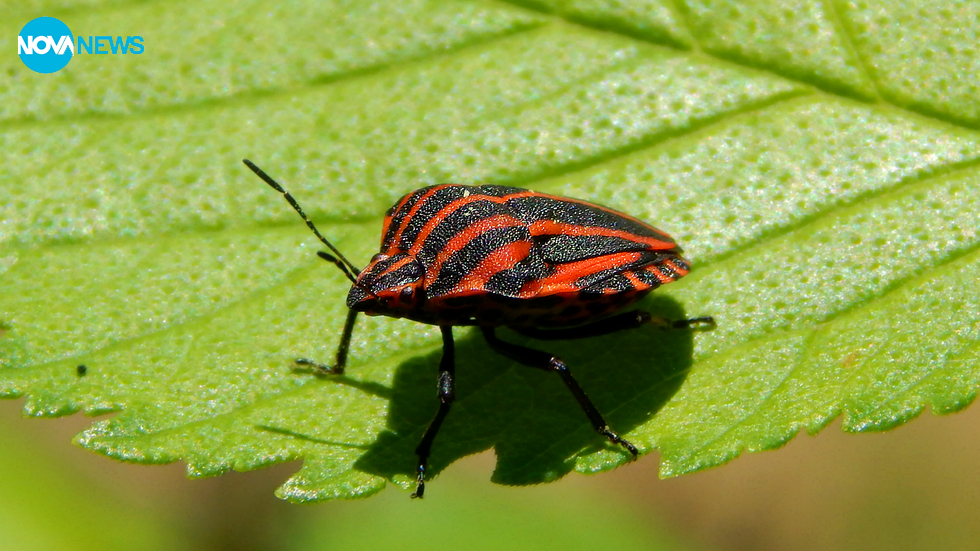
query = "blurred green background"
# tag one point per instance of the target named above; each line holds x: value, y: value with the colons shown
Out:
x: 913, y: 488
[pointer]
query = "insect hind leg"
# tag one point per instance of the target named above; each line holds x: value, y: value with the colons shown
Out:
x: 614, y: 324
x: 543, y: 360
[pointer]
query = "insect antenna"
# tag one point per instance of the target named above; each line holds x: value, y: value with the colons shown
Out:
x: 345, y: 265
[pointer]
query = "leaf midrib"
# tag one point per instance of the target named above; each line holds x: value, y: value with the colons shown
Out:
x: 835, y: 20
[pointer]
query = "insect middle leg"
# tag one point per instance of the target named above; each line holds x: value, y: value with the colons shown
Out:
x: 447, y: 393
x: 547, y: 362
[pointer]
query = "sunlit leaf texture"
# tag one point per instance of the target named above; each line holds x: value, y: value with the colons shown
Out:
x: 818, y: 161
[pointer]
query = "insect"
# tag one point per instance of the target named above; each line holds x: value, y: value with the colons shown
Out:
x: 544, y: 266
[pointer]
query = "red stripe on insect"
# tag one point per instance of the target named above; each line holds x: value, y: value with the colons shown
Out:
x: 396, y: 239
x: 443, y: 213
x: 635, y: 281
x: 608, y: 210
x: 549, y: 227
x: 563, y: 279
x: 658, y: 273
x: 386, y: 225
x: 400, y: 264
x: 677, y: 269
x: 461, y: 239
x: 502, y: 258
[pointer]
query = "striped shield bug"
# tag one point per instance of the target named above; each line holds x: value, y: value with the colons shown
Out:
x: 546, y: 267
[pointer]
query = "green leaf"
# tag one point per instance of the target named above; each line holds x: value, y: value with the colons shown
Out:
x: 818, y: 162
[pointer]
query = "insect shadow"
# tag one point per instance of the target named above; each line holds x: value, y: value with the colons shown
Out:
x: 528, y: 416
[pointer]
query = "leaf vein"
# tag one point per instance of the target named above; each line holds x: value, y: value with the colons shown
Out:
x: 924, y: 112
x: 254, y: 94
x: 653, y: 140
x: 835, y: 209
x: 896, y: 286
x: 844, y: 32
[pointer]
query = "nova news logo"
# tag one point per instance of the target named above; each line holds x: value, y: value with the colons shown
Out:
x: 46, y: 45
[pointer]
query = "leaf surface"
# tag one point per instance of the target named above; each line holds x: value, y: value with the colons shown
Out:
x: 822, y: 178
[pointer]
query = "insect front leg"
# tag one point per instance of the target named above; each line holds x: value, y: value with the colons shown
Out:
x: 340, y: 362
x: 447, y: 393
x: 619, y: 322
x: 547, y: 362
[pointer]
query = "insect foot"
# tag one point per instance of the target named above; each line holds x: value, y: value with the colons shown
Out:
x: 321, y: 369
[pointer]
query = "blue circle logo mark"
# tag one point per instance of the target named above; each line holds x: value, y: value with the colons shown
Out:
x: 45, y: 45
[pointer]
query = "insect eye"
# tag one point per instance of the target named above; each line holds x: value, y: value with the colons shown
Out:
x: 406, y: 294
